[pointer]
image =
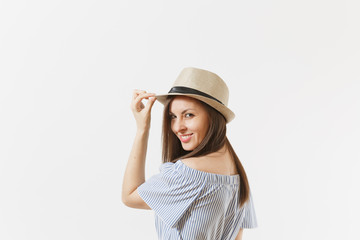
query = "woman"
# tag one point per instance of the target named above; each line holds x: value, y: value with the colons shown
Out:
x: 202, y: 191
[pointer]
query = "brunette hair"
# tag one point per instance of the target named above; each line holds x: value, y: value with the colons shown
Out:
x: 213, y: 141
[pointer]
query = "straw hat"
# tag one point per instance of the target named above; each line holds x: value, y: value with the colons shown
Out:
x: 204, y: 86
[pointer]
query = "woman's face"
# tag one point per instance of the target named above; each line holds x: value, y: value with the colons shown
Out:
x: 189, y: 121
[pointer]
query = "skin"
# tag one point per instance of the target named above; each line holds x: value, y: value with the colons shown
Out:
x: 188, y: 118
x: 135, y: 169
x: 239, y: 236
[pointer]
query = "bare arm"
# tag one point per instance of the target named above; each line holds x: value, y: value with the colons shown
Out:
x: 135, y: 169
x: 135, y: 172
x: 239, y: 236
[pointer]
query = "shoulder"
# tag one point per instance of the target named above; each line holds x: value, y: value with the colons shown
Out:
x: 210, y: 165
x: 198, y: 163
x: 191, y: 162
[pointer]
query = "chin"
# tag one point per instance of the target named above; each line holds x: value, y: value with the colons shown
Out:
x: 188, y: 148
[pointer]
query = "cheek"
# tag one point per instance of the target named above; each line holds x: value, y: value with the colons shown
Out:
x: 202, y: 129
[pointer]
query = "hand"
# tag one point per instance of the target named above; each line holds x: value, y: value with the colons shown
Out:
x: 142, y: 113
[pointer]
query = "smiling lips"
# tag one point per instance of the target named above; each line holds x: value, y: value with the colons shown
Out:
x: 185, y: 138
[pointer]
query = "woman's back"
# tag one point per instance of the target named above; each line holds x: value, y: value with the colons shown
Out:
x: 219, y: 162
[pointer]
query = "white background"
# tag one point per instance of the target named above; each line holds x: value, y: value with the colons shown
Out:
x: 67, y: 71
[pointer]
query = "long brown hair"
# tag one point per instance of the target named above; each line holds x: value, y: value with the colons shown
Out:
x: 213, y: 141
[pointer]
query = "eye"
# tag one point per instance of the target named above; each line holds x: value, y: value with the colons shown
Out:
x: 189, y: 115
x: 172, y: 116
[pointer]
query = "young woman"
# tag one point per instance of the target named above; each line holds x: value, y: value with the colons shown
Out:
x: 202, y: 191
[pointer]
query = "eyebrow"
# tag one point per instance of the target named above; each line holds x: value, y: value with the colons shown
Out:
x: 183, y: 111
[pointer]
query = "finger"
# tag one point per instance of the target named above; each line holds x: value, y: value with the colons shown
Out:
x: 141, y: 96
x: 137, y: 97
x: 150, y: 103
x: 136, y: 92
x: 137, y: 104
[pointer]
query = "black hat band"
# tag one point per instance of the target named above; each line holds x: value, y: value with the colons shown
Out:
x: 187, y: 90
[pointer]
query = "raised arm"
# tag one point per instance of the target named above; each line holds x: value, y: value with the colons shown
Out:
x: 239, y: 236
x: 135, y: 169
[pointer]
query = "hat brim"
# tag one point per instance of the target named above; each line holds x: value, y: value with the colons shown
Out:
x: 225, y: 111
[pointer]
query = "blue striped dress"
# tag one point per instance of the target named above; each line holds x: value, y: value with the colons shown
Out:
x: 192, y: 204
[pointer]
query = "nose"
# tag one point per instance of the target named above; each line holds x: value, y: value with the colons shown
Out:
x: 179, y: 126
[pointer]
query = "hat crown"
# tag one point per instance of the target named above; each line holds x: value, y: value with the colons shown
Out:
x: 204, y: 81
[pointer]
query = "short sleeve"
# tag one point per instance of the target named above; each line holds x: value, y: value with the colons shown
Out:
x: 249, y: 220
x: 170, y: 193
